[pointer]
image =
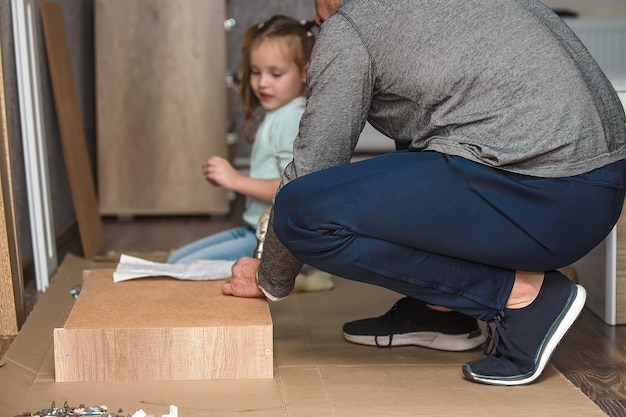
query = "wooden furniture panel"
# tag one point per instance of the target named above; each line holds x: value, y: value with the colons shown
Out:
x: 161, y: 105
x: 9, y: 303
x: 162, y: 329
x: 12, y: 313
x: 79, y: 171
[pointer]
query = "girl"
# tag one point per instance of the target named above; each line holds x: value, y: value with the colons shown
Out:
x: 275, y: 60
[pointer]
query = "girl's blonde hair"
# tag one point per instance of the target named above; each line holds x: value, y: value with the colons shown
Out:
x: 300, y: 40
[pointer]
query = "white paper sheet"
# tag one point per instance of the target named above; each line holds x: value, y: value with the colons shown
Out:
x: 130, y: 267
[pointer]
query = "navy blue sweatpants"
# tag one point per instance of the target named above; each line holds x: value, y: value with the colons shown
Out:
x: 443, y: 229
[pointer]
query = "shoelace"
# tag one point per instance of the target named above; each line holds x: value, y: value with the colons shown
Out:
x: 388, y: 318
x: 498, y: 343
x: 494, y: 330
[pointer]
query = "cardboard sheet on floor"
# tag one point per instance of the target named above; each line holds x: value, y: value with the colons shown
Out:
x: 316, y: 373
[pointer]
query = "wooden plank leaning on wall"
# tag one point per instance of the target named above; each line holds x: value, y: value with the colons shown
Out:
x: 79, y: 170
x: 12, y: 312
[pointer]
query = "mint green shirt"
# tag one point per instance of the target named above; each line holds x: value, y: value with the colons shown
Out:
x: 272, y: 150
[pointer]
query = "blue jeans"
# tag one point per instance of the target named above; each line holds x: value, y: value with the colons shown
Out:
x: 443, y: 229
x: 228, y: 245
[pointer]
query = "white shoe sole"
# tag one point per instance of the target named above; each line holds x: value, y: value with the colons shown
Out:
x: 432, y: 340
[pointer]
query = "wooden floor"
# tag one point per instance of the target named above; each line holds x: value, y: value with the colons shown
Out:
x: 592, y: 356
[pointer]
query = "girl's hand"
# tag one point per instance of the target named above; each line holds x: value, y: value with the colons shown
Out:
x: 242, y: 283
x: 220, y: 173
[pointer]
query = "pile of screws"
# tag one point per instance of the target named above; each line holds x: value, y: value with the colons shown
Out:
x: 75, y: 291
x: 67, y: 411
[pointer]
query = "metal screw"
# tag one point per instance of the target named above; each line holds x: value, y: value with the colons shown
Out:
x: 75, y: 291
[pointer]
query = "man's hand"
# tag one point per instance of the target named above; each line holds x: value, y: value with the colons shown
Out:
x: 242, y: 283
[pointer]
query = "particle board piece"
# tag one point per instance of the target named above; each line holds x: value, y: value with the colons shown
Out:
x: 79, y: 170
x: 8, y: 311
x: 162, y: 329
x: 12, y: 313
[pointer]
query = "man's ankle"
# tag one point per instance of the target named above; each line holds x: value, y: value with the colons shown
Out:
x: 439, y: 308
x: 525, y: 289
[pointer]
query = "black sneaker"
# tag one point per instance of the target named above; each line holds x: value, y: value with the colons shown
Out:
x: 412, y: 322
x: 521, y: 341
